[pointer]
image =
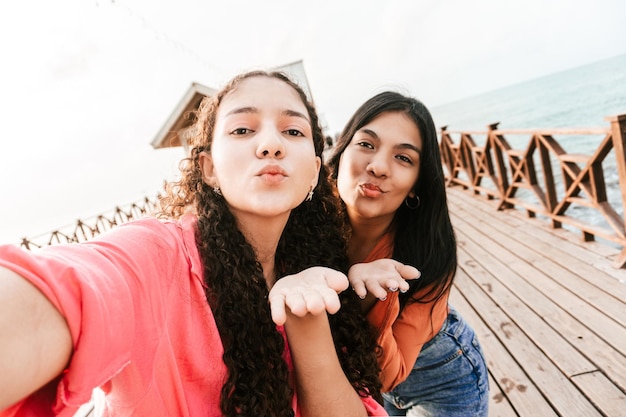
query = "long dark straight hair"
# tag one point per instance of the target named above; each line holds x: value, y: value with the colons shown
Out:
x: 424, y: 236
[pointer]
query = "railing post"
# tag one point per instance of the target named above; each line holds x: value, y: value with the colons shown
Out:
x: 618, y: 134
x: 444, y: 149
x: 500, y: 156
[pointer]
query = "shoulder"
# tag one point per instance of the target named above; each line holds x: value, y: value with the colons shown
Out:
x: 148, y: 234
x: 146, y: 227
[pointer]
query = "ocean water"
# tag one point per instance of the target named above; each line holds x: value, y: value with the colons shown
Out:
x: 581, y: 97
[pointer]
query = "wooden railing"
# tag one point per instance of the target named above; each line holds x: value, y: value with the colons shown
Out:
x: 86, y: 229
x: 534, y: 173
x: 541, y: 177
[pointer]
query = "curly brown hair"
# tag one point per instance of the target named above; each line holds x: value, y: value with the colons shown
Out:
x: 315, y: 235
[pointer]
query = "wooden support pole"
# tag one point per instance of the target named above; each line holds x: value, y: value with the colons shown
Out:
x: 618, y: 133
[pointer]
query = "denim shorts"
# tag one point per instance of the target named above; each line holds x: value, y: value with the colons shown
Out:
x: 449, y: 377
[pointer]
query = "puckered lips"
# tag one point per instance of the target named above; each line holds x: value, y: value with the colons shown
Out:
x: 371, y: 190
x: 272, y: 174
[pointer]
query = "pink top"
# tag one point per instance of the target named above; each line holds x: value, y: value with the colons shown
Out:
x: 141, y: 327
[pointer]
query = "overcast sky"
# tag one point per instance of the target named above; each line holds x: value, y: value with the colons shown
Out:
x: 86, y: 85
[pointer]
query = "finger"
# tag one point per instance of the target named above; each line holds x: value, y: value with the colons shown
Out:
x: 408, y: 271
x: 297, y: 304
x: 374, y: 288
x: 315, y: 302
x: 277, y: 309
x: 359, y: 289
x: 336, y: 280
x: 331, y: 302
x: 403, y: 286
x: 393, y: 284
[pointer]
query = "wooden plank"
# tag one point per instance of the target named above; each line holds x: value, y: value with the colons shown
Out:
x: 596, y: 254
x: 511, y: 275
x: 499, y: 405
x: 530, y: 232
x: 580, y: 336
x: 518, y: 217
x: 510, y: 268
x: 495, y: 355
x: 596, y: 350
x: 599, y: 256
x: 608, y: 398
x: 606, y: 318
x: 569, y: 360
x: 566, y: 399
x: 531, y: 237
x: 512, y: 385
x: 535, y: 253
x: 561, y: 240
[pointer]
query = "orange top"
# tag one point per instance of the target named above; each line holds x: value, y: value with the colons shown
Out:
x: 402, y: 336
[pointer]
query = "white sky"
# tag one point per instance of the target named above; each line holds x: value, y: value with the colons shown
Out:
x: 86, y: 85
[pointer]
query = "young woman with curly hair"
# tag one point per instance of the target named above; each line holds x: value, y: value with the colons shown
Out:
x: 388, y: 173
x: 217, y: 307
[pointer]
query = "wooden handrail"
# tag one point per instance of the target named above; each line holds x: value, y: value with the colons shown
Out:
x: 542, y: 177
x: 86, y: 229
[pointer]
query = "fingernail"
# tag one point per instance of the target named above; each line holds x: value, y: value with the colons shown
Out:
x: 362, y: 297
x: 403, y: 291
x: 383, y: 298
x: 393, y: 289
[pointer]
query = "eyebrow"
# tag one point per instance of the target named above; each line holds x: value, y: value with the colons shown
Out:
x: 400, y: 146
x: 254, y: 110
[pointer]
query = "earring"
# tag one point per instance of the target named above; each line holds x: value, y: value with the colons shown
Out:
x: 412, y: 202
x: 310, y: 196
x: 216, y: 190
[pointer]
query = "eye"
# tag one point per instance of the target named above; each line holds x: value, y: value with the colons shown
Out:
x: 240, y: 131
x: 365, y: 144
x: 405, y: 159
x: 294, y: 132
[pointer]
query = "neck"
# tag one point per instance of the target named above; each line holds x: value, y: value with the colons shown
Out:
x: 264, y: 235
x: 268, y: 264
x: 364, y: 237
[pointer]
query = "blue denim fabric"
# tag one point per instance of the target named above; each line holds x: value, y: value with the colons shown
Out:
x: 449, y: 377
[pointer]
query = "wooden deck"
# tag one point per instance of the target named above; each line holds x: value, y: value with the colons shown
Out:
x: 549, y: 309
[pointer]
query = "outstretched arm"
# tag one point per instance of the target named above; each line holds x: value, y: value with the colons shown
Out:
x: 36, y: 341
x: 323, y: 389
x: 301, y: 302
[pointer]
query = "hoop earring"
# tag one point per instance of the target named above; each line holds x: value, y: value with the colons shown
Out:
x: 217, y: 190
x: 412, y: 203
x: 309, y: 197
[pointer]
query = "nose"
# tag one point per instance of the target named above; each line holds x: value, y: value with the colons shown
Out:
x: 378, y: 167
x: 270, y: 144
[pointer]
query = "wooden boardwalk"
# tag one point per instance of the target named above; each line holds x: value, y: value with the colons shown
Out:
x: 549, y: 309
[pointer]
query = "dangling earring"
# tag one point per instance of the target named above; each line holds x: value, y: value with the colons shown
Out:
x: 310, y: 196
x: 412, y: 202
x: 216, y: 190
